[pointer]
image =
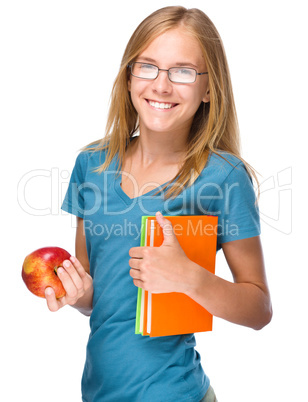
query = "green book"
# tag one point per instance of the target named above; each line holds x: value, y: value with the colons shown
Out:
x: 140, y: 296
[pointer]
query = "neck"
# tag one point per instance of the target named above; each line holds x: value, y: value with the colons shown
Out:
x: 159, y: 147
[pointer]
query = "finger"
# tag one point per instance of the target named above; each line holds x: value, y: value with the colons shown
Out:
x: 79, y: 267
x: 67, y: 282
x: 166, y: 225
x: 138, y: 283
x: 136, y: 252
x: 135, y: 263
x: 134, y: 273
x: 52, y: 302
x: 73, y: 273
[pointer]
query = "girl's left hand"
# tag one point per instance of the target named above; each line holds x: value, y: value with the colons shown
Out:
x: 160, y: 269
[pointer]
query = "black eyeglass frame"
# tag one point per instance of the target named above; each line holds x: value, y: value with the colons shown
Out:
x: 162, y: 69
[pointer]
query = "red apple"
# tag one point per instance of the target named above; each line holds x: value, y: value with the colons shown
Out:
x: 39, y: 270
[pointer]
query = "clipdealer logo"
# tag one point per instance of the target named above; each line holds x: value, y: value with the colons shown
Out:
x: 276, y: 201
x: 40, y: 192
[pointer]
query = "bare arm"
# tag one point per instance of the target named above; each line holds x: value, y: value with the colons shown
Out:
x: 81, y: 247
x: 76, y: 279
x: 247, y: 300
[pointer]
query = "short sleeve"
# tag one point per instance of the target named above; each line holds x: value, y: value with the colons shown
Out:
x: 74, y: 198
x: 236, y: 207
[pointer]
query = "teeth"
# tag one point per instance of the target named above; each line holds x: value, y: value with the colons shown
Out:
x: 160, y: 105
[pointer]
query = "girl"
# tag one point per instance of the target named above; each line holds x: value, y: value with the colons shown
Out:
x: 171, y: 148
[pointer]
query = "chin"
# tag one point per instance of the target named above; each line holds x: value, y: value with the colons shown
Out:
x: 159, y: 128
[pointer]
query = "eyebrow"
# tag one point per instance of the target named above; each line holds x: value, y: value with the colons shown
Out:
x: 182, y: 64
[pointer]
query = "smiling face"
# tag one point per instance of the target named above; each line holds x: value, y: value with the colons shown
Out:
x: 164, y: 106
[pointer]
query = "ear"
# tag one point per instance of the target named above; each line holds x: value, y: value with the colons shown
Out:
x: 129, y: 80
x: 206, y: 97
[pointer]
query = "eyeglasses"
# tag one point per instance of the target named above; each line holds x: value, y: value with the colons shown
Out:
x: 180, y: 75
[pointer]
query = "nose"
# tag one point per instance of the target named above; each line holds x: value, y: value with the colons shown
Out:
x: 162, y: 84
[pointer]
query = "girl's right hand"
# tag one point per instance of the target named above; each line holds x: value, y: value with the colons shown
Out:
x: 77, y: 284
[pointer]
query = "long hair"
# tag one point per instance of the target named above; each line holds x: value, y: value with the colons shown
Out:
x: 215, y: 126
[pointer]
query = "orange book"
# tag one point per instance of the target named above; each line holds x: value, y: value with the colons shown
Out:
x: 176, y: 313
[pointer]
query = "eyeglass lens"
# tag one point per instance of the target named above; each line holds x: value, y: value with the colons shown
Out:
x: 176, y: 74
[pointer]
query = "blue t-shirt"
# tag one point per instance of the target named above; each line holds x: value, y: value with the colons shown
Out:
x: 120, y: 365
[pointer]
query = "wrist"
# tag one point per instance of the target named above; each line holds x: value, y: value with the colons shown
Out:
x: 84, y: 304
x: 194, y: 278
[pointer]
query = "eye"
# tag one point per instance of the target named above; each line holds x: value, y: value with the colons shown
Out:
x: 185, y: 71
x: 147, y: 67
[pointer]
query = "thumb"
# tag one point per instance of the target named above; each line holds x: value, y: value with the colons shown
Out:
x: 169, y: 236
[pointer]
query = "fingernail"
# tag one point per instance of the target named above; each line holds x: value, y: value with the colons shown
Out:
x: 60, y: 270
x: 72, y: 258
x: 66, y: 264
x: 48, y: 291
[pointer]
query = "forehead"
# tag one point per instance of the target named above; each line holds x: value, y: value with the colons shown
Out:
x: 176, y: 46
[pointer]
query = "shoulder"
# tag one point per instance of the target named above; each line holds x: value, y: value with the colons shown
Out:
x: 90, y: 156
x: 223, y: 161
x: 231, y: 196
x: 223, y: 166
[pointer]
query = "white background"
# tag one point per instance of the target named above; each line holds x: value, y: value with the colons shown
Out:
x: 58, y: 63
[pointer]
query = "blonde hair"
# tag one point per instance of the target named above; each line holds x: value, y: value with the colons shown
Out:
x: 215, y: 126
